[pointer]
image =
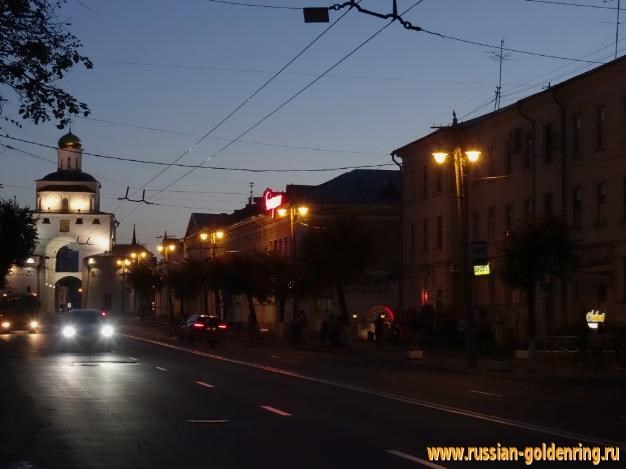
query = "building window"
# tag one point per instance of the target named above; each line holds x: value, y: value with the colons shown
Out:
x: 508, y: 217
x: 577, y: 207
x: 508, y: 162
x: 601, y: 202
x: 439, y: 233
x: 65, y: 204
x: 439, y: 174
x: 528, y: 210
x: 69, y: 164
x: 46, y: 221
x: 492, y: 162
x: 79, y: 221
x: 491, y: 223
x: 64, y: 226
x: 475, y: 226
x: 548, y: 143
x: 576, y: 135
x: 412, y: 238
x: 425, y: 237
x: 96, y: 221
x: 413, y: 186
x: 425, y: 180
x: 528, y: 152
x: 601, y: 119
x: 548, y: 209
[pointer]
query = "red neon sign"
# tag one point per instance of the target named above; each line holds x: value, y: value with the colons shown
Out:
x: 272, y: 200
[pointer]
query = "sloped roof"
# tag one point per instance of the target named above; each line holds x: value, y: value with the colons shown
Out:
x: 65, y: 188
x: 200, y: 221
x: 359, y: 187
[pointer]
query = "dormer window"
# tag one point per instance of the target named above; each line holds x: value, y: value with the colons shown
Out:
x: 96, y: 221
x: 79, y: 221
x: 46, y: 221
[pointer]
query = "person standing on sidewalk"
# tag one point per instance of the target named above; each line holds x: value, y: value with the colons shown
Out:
x: 379, y: 330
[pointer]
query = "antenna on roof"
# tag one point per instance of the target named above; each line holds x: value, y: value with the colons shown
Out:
x: 251, y: 196
x: 500, y: 57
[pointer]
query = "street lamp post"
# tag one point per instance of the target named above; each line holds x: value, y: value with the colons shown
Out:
x: 166, y: 249
x: 295, y: 213
x: 123, y: 264
x: 213, y: 237
x: 461, y: 158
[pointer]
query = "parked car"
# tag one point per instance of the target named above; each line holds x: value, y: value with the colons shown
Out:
x: 86, y: 328
x: 203, y: 327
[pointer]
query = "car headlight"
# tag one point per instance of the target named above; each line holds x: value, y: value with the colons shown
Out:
x: 107, y: 330
x: 34, y: 324
x: 69, y: 331
x: 6, y: 324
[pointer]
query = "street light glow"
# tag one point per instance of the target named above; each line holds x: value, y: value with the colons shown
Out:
x: 281, y: 212
x: 472, y: 155
x: 160, y: 248
x: 204, y: 236
x: 440, y: 156
x: 219, y: 234
x: 302, y: 211
x: 172, y: 247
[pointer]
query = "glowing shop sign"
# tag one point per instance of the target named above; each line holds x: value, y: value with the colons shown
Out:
x: 272, y: 200
x: 595, y: 317
x: 482, y: 270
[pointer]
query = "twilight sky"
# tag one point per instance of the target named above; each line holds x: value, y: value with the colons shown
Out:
x: 167, y: 72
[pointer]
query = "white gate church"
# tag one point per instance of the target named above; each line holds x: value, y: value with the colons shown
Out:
x: 71, y: 228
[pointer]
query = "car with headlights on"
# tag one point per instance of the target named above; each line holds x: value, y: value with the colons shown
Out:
x: 19, y: 312
x: 86, y: 328
x: 203, y: 327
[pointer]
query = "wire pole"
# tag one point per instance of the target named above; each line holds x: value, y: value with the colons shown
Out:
x: 617, y: 28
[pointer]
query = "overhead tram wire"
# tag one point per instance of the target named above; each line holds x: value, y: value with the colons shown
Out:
x: 199, y: 166
x: 240, y: 106
x: 294, y: 96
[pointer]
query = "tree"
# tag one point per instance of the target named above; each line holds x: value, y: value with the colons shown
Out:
x: 145, y: 282
x: 335, y: 254
x: 18, y: 236
x: 186, y: 281
x: 36, y: 52
x: 536, y: 252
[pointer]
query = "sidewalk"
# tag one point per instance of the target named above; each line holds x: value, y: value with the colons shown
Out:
x: 548, y: 369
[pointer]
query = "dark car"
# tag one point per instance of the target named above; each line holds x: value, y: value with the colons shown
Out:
x: 19, y: 312
x: 203, y: 327
x: 86, y: 327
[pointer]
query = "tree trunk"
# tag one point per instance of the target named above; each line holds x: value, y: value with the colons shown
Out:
x: 530, y: 294
x: 343, y: 306
x: 253, y: 323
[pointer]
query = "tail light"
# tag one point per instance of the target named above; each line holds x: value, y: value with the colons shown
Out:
x: 198, y: 324
x: 223, y: 326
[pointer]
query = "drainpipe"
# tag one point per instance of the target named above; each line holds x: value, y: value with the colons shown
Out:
x: 533, y: 157
x: 564, y: 182
x: 401, y: 260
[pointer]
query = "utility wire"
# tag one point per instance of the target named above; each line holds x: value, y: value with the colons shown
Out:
x: 240, y: 106
x: 573, y: 4
x: 201, y: 165
x: 250, y: 142
x: 254, y: 5
x: 294, y: 96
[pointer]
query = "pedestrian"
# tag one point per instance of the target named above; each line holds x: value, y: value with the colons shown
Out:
x: 379, y: 329
x: 324, y: 332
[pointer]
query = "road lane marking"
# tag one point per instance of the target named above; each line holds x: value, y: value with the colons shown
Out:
x: 399, y: 398
x: 160, y: 368
x: 410, y: 457
x: 206, y: 385
x: 207, y: 421
x: 274, y: 356
x: 133, y: 358
x: 485, y: 393
x: 282, y: 413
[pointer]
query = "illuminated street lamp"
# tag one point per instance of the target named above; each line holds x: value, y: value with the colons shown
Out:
x: 461, y: 157
x: 213, y: 237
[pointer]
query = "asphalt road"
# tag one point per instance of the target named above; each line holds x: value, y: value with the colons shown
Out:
x: 162, y: 405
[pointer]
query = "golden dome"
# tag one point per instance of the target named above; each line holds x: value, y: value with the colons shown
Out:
x: 69, y: 140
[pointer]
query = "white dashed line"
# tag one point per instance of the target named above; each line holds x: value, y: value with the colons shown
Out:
x: 412, y: 458
x: 276, y: 411
x: 160, y: 368
x: 274, y: 356
x: 207, y: 421
x: 206, y: 385
x: 553, y: 432
x: 389, y: 376
x: 485, y: 393
x: 133, y: 358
